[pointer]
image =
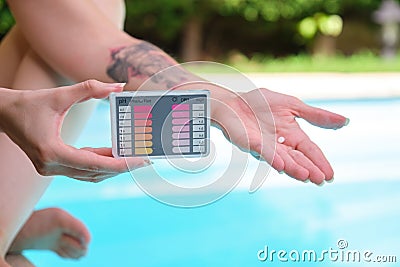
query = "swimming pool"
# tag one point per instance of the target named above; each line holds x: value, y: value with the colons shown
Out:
x: 360, y: 207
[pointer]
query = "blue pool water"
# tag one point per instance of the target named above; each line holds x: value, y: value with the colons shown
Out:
x: 361, y: 207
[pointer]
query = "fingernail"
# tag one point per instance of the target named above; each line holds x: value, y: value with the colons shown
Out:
x: 281, y: 172
x: 135, y: 164
x: 321, y: 184
x: 345, y: 124
x: 82, y: 241
x: 330, y: 180
x: 255, y: 155
x: 116, y: 85
x: 147, y: 163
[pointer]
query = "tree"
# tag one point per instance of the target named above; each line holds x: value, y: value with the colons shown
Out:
x: 6, y: 19
x: 168, y: 20
x: 201, y: 29
x: 191, y: 25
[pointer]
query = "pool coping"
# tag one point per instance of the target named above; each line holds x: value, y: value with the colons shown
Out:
x: 311, y: 86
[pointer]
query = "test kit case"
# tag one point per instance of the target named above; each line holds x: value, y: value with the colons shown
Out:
x: 160, y: 123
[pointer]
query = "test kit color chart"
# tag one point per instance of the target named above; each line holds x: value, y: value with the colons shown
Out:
x: 160, y: 124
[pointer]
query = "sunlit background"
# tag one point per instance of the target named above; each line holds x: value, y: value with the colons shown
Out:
x: 340, y: 55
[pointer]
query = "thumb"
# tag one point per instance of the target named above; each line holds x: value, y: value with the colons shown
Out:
x: 321, y: 118
x: 86, y: 90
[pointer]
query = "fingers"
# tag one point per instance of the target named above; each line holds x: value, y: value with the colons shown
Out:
x: 103, y: 151
x: 91, y: 164
x: 315, y: 175
x: 317, y: 157
x: 292, y: 167
x: 86, y: 90
x: 84, y: 159
x: 132, y: 163
x: 302, y: 159
x: 305, y: 162
x: 81, y: 175
x: 319, y: 117
x: 295, y: 164
x: 96, y: 89
x: 278, y: 163
x: 298, y: 166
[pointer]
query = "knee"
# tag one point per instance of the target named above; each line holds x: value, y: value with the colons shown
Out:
x: 114, y: 10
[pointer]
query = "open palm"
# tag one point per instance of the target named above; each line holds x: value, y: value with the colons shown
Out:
x: 255, y: 120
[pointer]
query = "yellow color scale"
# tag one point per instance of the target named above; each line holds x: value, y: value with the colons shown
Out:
x: 143, y: 137
x: 143, y: 129
x: 143, y: 144
x: 143, y: 151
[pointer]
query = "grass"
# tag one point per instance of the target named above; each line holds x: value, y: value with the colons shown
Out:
x: 366, y: 62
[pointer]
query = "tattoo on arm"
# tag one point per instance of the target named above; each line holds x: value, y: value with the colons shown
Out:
x: 141, y: 61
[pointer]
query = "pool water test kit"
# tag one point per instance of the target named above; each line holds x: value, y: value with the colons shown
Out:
x: 160, y: 123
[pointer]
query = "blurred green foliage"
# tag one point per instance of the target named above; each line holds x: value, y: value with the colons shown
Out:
x: 168, y: 16
x: 250, y: 26
x: 275, y: 10
x: 6, y: 19
x: 165, y: 16
x: 331, y: 25
x: 279, y: 27
x: 361, y: 62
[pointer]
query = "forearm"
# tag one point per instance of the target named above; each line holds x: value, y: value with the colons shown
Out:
x: 143, y: 61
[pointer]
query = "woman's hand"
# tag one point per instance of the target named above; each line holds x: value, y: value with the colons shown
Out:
x: 254, y: 121
x: 33, y: 120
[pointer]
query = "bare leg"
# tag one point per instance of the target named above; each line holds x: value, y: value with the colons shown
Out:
x: 13, y: 48
x: 21, y: 186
